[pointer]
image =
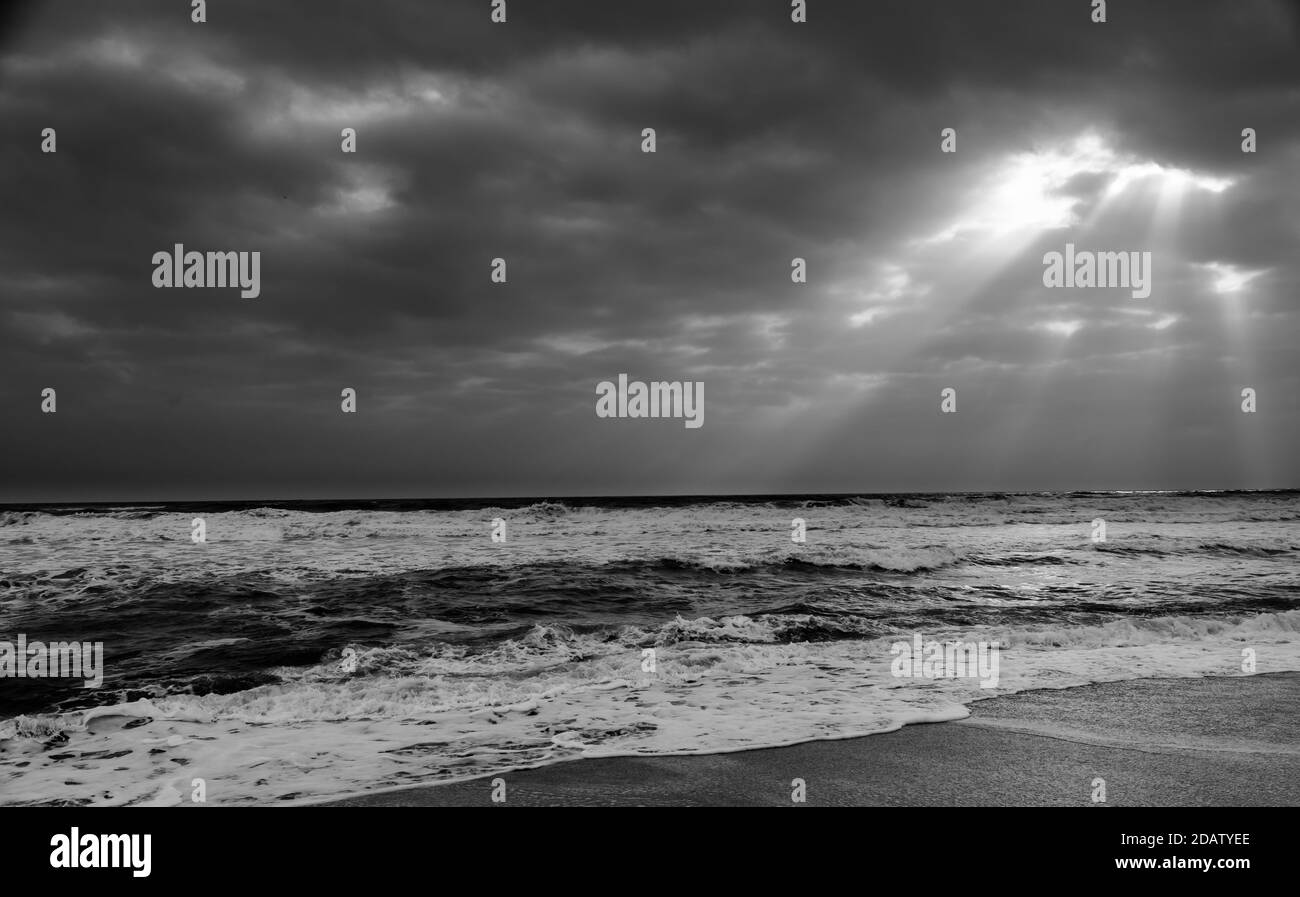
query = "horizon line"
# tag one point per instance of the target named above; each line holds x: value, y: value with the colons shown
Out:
x: 672, y: 496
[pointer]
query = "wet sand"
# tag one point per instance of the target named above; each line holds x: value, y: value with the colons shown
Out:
x: 1156, y: 742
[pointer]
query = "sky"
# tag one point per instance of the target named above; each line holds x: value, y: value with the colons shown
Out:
x: 523, y: 140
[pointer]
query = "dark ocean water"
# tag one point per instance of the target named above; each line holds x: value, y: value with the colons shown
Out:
x: 309, y: 649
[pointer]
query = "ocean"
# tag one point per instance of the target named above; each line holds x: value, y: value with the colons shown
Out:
x: 309, y: 650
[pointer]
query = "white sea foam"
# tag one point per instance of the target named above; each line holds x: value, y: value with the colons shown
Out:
x: 420, y: 709
x: 407, y: 716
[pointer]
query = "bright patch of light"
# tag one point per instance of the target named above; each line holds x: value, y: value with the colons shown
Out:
x: 866, y: 316
x: 364, y: 199
x: 892, y: 284
x: 1229, y: 279
x: 771, y: 328
x: 114, y: 50
x: 856, y: 382
x: 1175, y: 178
x: 367, y: 192
x: 1029, y: 191
x: 409, y: 95
x: 1164, y: 322
x: 575, y: 343
x: 1061, y: 328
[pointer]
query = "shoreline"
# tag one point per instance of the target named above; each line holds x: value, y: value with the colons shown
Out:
x: 1217, y: 741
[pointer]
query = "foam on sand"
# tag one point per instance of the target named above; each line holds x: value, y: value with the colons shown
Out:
x: 406, y: 716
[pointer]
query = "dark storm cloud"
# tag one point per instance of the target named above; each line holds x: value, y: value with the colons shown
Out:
x: 522, y: 141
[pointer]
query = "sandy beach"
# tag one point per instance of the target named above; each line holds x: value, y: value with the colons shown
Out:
x: 1155, y: 742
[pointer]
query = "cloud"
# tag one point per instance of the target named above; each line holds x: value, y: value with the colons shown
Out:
x: 522, y: 142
